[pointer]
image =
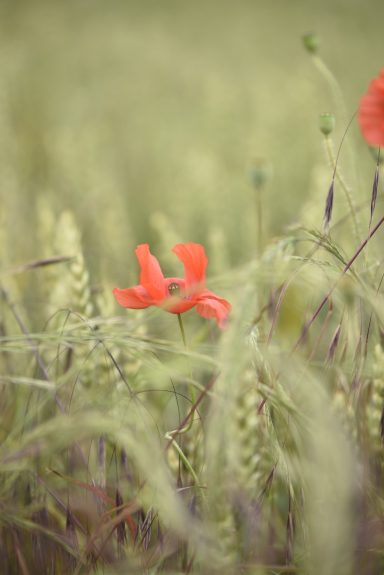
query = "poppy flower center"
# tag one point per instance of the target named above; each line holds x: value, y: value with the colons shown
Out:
x: 174, y: 289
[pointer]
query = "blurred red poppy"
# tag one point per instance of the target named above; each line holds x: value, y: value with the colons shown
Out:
x: 175, y: 295
x: 371, y: 112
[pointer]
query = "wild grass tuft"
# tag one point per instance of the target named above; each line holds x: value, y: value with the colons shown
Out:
x: 127, y: 445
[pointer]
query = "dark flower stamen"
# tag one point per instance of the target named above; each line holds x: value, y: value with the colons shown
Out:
x: 174, y: 289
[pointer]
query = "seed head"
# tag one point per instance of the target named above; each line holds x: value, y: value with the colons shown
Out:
x: 261, y: 172
x: 311, y: 43
x: 328, y: 208
x: 327, y: 123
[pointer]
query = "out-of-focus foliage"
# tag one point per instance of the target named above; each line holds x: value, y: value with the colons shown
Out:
x: 257, y: 450
x: 121, y: 110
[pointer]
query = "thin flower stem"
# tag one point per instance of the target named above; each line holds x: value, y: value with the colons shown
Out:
x: 347, y: 192
x: 331, y: 81
x: 182, y: 455
x: 182, y: 330
x: 338, y: 97
x: 184, y: 338
x: 259, y: 215
x: 184, y: 423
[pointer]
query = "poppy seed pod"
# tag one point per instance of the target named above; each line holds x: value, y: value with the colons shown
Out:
x: 311, y: 43
x: 327, y: 123
x: 261, y: 172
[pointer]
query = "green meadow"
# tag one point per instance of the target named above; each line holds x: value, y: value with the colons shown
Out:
x: 146, y: 442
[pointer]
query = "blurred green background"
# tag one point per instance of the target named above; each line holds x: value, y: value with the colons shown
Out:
x: 124, y: 110
x: 142, y: 121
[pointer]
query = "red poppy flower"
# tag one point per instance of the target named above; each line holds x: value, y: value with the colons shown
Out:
x: 175, y: 295
x: 371, y: 112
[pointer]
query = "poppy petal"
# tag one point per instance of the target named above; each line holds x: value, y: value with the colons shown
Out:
x: 135, y: 297
x: 151, y: 276
x: 195, y: 263
x: 371, y: 112
x: 209, y: 305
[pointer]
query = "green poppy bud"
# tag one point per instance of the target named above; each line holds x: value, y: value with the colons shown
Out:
x: 261, y: 172
x: 327, y: 123
x: 311, y: 43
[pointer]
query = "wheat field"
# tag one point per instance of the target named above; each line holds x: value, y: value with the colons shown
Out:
x: 146, y: 442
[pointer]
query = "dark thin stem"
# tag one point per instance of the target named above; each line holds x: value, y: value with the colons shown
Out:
x: 347, y: 191
x: 320, y: 336
x: 35, y: 352
x: 370, y: 320
x: 194, y: 407
x: 285, y: 287
x: 345, y: 269
x: 374, y: 189
x: 39, y: 360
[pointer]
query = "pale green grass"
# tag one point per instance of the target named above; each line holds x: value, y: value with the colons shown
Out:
x: 255, y: 450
